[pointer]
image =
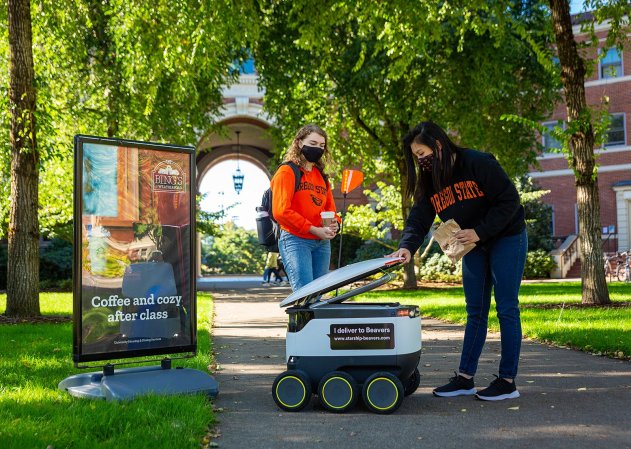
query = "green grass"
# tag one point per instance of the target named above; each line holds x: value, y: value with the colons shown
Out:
x: 601, y: 330
x: 34, y: 414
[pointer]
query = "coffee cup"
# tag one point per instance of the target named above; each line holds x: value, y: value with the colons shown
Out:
x: 328, y: 217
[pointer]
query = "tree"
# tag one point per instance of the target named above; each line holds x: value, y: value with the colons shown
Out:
x: 130, y: 69
x: 23, y: 267
x: 369, y: 71
x: 234, y: 251
x: 581, y: 124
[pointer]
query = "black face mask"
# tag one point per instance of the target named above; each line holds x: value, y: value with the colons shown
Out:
x: 312, y: 154
x: 425, y: 162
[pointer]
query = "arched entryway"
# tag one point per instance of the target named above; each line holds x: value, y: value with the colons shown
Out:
x: 255, y: 147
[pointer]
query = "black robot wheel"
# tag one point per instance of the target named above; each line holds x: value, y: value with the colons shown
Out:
x: 412, y: 383
x: 337, y: 391
x: 383, y: 392
x: 292, y: 390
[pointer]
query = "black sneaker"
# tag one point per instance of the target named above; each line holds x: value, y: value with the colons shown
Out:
x: 457, y: 386
x: 499, y: 390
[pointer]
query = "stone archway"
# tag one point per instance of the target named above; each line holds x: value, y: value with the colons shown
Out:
x: 255, y: 145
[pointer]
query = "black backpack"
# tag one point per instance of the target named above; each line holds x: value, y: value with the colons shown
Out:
x: 267, y: 227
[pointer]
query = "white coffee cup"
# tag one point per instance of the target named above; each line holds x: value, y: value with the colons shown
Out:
x: 328, y: 217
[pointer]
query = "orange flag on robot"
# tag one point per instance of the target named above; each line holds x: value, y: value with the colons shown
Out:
x: 351, y: 179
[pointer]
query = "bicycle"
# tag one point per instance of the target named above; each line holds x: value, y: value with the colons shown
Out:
x: 618, y: 266
x: 623, y: 270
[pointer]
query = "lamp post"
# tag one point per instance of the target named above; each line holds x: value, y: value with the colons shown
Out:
x: 237, y: 177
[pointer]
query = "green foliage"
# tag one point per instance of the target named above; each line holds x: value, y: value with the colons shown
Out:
x: 56, y: 261
x: 350, y: 246
x: 373, y: 249
x: 55, y: 265
x: 3, y: 266
x: 539, y: 264
x: 439, y: 267
x: 234, y: 251
x: 538, y: 214
x: 119, y: 68
x: 376, y: 219
x: 377, y: 68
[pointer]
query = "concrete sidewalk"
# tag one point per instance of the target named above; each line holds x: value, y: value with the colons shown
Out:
x: 569, y: 399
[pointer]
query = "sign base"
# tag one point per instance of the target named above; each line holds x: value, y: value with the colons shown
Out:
x: 131, y: 382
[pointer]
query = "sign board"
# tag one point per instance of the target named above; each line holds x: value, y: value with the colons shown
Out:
x: 134, y: 252
x: 362, y: 336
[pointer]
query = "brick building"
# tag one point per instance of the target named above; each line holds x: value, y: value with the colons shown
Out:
x: 611, y: 77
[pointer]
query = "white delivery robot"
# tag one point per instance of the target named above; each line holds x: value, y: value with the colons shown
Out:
x: 340, y: 350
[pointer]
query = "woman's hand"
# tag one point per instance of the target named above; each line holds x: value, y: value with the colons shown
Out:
x: 335, y: 226
x: 401, y: 252
x: 466, y: 236
x: 322, y: 233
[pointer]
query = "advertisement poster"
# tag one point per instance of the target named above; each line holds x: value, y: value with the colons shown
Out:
x: 134, y: 229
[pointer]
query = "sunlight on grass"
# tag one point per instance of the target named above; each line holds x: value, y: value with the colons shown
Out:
x: 601, y: 330
x: 34, y: 413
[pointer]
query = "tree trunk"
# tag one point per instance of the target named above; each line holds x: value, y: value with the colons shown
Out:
x: 582, y: 161
x: 409, y: 274
x: 23, y: 257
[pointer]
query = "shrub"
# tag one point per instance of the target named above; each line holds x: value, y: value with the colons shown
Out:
x: 440, y: 268
x: 55, y: 265
x: 3, y: 266
x: 349, y: 249
x: 55, y: 261
x: 372, y: 249
x: 539, y: 264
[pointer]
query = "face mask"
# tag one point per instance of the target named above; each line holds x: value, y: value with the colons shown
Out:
x: 312, y: 154
x: 425, y: 162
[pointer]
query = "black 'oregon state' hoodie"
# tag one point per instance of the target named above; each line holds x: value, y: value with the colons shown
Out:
x: 479, y: 197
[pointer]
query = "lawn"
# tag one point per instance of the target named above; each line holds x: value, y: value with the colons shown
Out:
x: 550, y: 312
x: 35, y: 414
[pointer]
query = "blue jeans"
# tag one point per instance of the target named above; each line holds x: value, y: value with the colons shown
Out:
x: 304, y: 259
x: 499, y: 267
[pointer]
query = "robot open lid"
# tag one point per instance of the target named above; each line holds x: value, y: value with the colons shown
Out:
x: 311, y: 293
x: 341, y: 350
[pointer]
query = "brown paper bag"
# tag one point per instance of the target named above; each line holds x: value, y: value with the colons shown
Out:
x: 444, y: 235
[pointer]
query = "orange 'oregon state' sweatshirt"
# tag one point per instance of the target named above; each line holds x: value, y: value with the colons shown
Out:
x: 297, y: 211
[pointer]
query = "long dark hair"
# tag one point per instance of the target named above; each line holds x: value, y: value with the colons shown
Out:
x: 430, y: 134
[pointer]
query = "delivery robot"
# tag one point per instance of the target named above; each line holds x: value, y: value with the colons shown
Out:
x: 341, y: 350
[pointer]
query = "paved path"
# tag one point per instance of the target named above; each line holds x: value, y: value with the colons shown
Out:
x: 569, y: 399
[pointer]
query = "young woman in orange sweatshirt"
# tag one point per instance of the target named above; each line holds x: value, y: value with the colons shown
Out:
x: 304, y: 244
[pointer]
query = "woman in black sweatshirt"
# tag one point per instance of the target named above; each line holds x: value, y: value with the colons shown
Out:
x: 471, y: 187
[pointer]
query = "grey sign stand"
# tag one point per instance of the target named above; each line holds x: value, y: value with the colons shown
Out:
x: 128, y: 383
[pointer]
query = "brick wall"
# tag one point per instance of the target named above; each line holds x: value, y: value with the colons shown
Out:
x: 614, y: 162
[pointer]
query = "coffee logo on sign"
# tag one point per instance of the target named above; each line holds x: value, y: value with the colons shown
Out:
x: 168, y: 176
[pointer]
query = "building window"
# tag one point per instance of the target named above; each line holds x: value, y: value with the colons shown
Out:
x: 611, y: 64
x: 615, y: 134
x: 550, y: 144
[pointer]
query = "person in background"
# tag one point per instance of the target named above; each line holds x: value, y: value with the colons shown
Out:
x: 470, y: 187
x: 304, y: 243
x: 284, y: 279
x: 271, y: 267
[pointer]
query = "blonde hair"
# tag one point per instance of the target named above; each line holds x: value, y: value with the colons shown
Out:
x: 294, y: 154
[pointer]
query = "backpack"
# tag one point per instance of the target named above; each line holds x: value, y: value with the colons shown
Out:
x: 267, y: 227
